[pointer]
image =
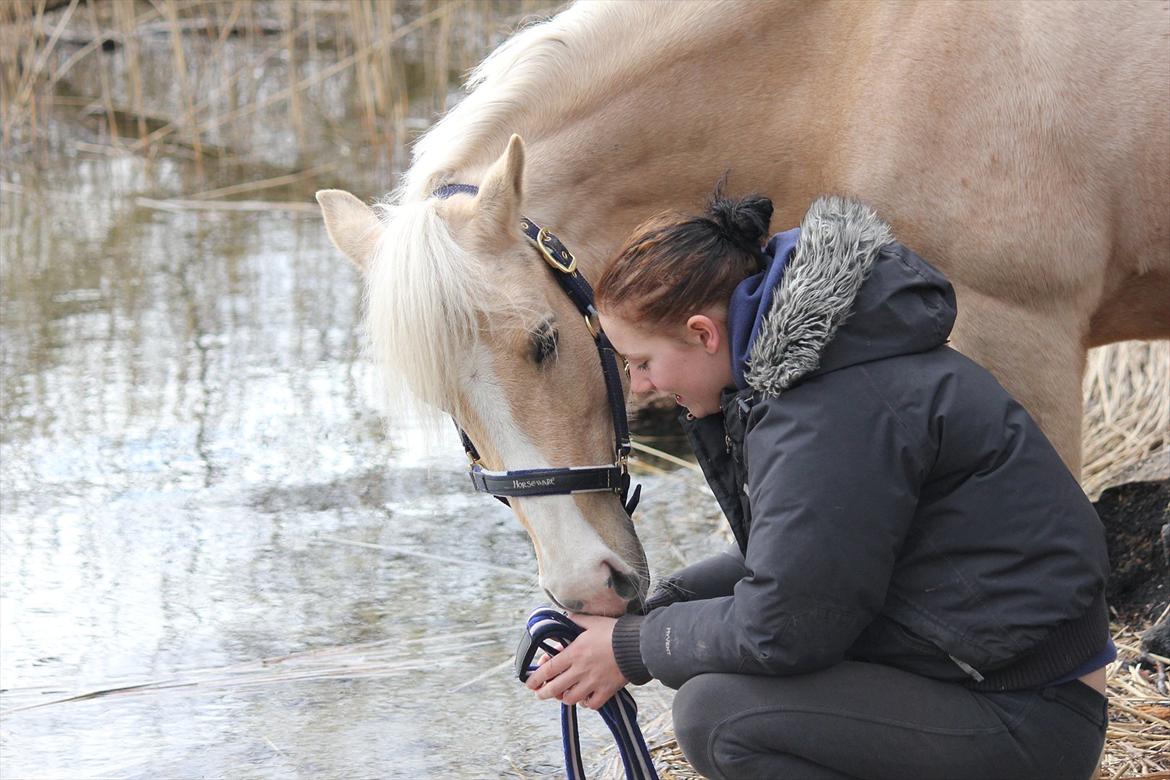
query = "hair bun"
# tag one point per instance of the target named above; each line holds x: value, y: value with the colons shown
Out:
x: 743, y: 221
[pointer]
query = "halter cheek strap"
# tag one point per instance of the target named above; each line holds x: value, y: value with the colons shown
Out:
x: 613, y: 477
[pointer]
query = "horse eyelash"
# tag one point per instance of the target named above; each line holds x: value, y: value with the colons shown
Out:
x: 544, y: 343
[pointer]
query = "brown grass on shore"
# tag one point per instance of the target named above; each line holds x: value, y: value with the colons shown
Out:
x: 1126, y: 415
x: 1138, y: 740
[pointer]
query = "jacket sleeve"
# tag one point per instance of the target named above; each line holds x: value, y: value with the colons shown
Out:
x: 708, y: 578
x: 833, y: 480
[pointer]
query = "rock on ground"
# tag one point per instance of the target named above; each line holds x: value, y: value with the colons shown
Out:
x: 1136, y: 517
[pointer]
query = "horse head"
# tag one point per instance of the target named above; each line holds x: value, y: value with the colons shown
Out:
x: 463, y: 311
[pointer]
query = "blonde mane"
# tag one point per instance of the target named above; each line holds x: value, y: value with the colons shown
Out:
x: 541, y: 74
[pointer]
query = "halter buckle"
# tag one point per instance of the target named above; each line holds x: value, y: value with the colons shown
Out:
x: 554, y: 252
x: 593, y: 323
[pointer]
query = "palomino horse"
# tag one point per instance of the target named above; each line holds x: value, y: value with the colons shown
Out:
x: 1020, y: 147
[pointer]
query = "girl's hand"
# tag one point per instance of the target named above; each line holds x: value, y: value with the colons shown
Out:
x: 586, y: 672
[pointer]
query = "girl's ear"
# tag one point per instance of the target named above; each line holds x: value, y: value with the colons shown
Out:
x: 705, y: 332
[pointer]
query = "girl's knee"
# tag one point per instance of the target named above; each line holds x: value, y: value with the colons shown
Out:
x: 696, y: 714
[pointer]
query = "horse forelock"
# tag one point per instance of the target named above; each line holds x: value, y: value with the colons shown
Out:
x: 422, y: 294
x: 427, y: 302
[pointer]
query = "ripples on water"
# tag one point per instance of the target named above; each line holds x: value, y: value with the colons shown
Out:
x: 187, y: 444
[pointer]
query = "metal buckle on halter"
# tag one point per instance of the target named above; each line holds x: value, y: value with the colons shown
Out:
x: 593, y: 322
x: 554, y: 252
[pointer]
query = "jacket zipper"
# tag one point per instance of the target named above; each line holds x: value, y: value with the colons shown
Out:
x: 970, y: 670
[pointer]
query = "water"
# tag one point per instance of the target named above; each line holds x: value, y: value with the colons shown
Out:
x: 190, y: 461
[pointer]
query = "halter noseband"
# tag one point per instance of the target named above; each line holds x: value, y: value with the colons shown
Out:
x: 613, y: 477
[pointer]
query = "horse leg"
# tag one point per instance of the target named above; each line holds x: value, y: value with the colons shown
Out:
x: 1037, y: 355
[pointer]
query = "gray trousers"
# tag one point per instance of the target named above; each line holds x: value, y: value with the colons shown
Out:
x: 859, y: 721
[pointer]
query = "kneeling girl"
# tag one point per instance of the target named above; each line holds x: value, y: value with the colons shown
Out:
x: 916, y: 588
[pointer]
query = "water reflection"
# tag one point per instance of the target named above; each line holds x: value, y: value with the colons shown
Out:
x: 189, y: 455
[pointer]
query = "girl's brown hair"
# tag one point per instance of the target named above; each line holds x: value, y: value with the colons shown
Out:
x: 676, y: 264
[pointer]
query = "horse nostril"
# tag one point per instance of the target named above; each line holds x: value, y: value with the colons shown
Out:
x: 623, y: 584
x: 571, y: 605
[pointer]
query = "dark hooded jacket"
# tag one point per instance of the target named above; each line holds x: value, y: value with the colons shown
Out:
x: 889, y: 500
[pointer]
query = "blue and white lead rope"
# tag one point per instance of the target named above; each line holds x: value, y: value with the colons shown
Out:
x: 620, y: 713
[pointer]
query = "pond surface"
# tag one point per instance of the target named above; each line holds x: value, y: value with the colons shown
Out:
x: 201, y: 505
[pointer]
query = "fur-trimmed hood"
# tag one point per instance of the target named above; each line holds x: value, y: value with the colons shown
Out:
x: 849, y: 295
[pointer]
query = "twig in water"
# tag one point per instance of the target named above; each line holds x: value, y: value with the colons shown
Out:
x: 262, y: 184
x: 487, y: 673
x: 295, y: 206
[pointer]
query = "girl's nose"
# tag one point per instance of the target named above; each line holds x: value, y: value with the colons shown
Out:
x: 641, y: 384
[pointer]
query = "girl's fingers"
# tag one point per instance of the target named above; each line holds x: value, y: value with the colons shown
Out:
x: 547, y: 671
x: 574, y: 695
x: 556, y: 687
x: 549, y: 665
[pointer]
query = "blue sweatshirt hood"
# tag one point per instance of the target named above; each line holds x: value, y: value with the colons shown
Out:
x: 752, y: 300
x: 847, y: 294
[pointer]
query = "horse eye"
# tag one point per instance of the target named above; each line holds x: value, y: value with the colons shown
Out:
x: 544, y: 344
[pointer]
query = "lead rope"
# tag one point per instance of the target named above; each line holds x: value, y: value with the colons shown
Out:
x: 547, y: 627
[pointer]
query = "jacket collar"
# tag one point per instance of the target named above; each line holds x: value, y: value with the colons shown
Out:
x: 838, y: 243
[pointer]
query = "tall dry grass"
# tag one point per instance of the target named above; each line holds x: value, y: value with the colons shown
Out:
x: 43, y: 42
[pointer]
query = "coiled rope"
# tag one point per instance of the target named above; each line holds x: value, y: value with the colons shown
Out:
x: 551, y: 631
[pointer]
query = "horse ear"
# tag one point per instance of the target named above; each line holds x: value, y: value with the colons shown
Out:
x: 498, y: 202
x: 352, y: 225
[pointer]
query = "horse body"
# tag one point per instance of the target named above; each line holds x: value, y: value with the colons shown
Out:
x: 1020, y: 147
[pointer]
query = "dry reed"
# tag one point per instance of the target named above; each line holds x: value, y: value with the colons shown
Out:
x: 1126, y: 415
x: 366, y: 36
x: 264, y: 206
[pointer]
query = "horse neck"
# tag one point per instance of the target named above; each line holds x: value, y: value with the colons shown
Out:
x: 611, y: 102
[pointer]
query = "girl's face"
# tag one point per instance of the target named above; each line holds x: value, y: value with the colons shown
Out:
x: 692, y: 363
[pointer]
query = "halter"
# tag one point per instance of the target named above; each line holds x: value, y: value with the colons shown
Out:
x: 613, y: 477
